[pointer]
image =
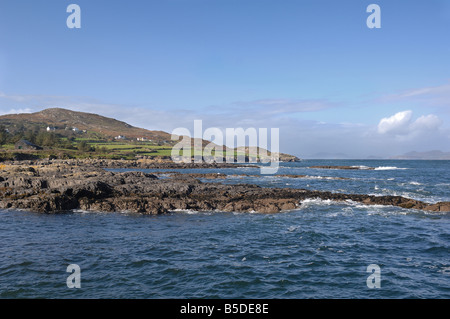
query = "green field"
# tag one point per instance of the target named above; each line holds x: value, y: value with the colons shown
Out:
x: 99, y: 149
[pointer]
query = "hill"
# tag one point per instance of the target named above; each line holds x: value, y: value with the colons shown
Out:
x: 68, y: 129
x: 63, y: 119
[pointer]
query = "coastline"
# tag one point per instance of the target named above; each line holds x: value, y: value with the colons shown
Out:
x: 64, y: 185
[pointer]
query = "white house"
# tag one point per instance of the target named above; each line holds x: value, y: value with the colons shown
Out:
x: 51, y: 129
x: 75, y: 129
x: 120, y: 137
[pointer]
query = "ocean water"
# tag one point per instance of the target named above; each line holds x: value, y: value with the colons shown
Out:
x: 320, y: 250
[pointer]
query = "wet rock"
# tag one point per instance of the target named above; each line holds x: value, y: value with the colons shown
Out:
x: 438, y: 207
x: 58, y: 187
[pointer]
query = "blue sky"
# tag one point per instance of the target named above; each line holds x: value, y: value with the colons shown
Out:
x: 311, y: 68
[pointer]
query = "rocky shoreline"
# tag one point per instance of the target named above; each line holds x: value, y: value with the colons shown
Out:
x: 65, y: 185
x: 157, y: 163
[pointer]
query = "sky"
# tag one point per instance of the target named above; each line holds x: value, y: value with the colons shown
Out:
x: 312, y: 68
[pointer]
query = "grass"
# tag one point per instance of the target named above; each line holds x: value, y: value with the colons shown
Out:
x: 7, y: 147
x: 108, y: 150
x: 131, y: 150
x: 121, y: 145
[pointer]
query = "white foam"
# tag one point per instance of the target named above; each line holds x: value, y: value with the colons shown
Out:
x: 443, y: 184
x: 348, y: 210
x: 328, y: 202
x: 186, y: 211
x: 361, y: 166
x: 388, y: 168
x: 415, y: 183
x: 377, y: 212
x: 321, y: 177
x: 360, y: 205
x: 317, y: 201
x: 82, y: 211
x: 93, y: 212
x: 242, y: 213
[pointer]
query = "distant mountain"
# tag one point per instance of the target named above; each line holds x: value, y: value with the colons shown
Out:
x: 431, y: 155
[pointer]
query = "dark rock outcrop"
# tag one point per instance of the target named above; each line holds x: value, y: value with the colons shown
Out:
x: 58, y: 187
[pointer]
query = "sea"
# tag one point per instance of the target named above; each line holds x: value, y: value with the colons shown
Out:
x: 322, y: 249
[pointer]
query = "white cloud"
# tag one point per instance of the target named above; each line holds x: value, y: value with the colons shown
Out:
x: 426, y: 123
x: 435, y: 96
x: 16, y: 111
x: 397, y: 123
x: 285, y: 106
x: 401, y: 124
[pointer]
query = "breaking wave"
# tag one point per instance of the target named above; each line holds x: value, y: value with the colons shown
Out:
x: 388, y: 168
x: 361, y: 166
